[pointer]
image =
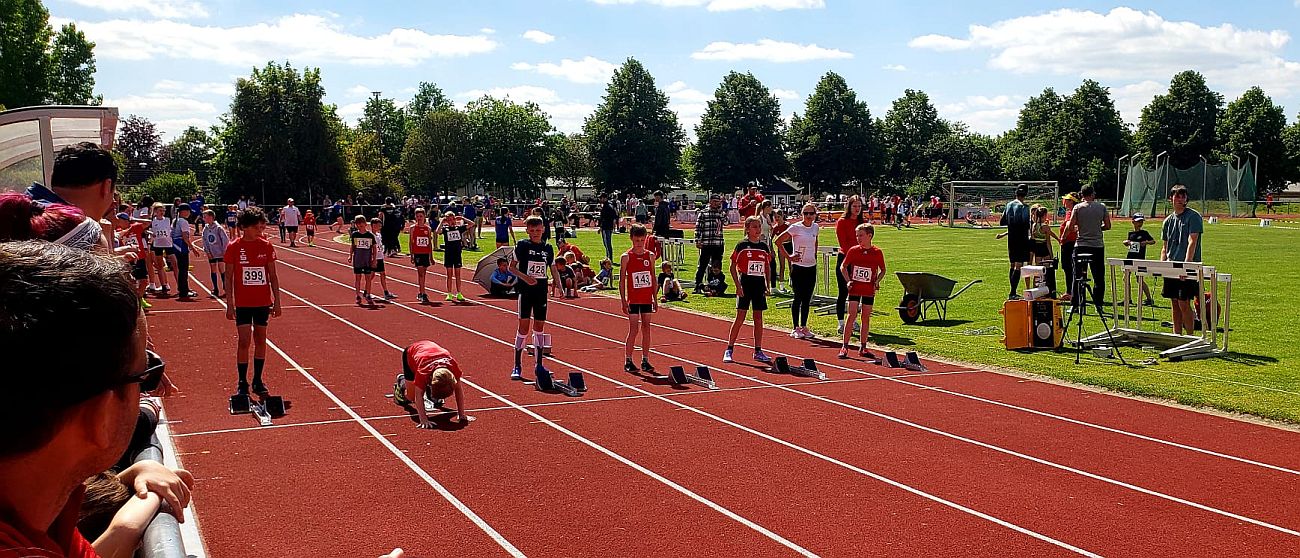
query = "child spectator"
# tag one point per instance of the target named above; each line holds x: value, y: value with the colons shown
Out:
x: 1137, y: 242
x: 864, y: 268
x: 429, y: 370
x: 502, y: 281
x: 751, y: 270
x: 453, y: 230
x: 376, y: 226
x: 214, y: 244
x: 638, y: 292
x: 504, y: 225
x: 669, y: 287
x: 362, y: 256
x: 567, y: 279
x: 1041, y: 235
x: 715, y: 283
x: 252, y: 295
x: 421, y: 246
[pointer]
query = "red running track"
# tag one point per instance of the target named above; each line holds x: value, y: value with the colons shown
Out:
x: 869, y: 463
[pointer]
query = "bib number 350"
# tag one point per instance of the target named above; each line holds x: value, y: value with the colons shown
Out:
x: 254, y: 276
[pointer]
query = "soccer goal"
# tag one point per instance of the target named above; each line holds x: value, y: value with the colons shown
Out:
x: 979, y: 203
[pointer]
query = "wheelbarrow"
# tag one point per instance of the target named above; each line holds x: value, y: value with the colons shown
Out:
x: 926, y: 292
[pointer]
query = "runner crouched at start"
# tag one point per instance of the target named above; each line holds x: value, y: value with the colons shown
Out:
x: 427, y: 368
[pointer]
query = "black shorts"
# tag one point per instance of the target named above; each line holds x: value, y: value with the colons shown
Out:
x: 1041, y: 249
x: 164, y: 251
x: 311, y: 230
x: 215, y: 260
x: 640, y: 309
x: 421, y: 260
x: 406, y: 366
x: 1180, y: 289
x: 532, y: 301
x: 362, y: 270
x: 1018, y: 251
x: 862, y: 299
x: 379, y: 266
x: 139, y: 271
x: 255, y: 315
x: 755, y: 298
x: 452, y: 258
x: 291, y: 228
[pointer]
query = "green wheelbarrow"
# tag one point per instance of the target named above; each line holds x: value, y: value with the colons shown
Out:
x: 926, y: 292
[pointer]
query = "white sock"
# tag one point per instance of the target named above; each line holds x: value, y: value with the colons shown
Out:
x: 537, y: 338
x: 519, y: 342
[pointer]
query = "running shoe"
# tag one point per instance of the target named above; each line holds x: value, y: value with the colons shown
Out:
x: 145, y: 304
x: 152, y: 289
x: 438, y: 403
x: 449, y: 297
x: 422, y: 298
x: 647, y: 367
x: 629, y: 367
x: 399, y: 391
x: 866, y: 353
x: 808, y: 334
x: 358, y: 299
x: 460, y: 297
x: 516, y: 374
x: 241, y: 389
x: 844, y: 353
x: 389, y: 296
x: 260, y: 388
x: 726, y: 356
x: 188, y: 294
x: 762, y: 357
x: 166, y: 289
x: 795, y: 333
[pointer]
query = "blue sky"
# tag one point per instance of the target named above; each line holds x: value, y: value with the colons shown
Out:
x: 175, y: 61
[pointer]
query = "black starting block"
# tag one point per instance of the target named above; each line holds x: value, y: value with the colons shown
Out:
x: 575, y: 387
x: 891, y: 360
x: 702, y: 377
x: 264, y: 408
x: 807, y: 370
x: 546, y: 345
x: 913, y: 362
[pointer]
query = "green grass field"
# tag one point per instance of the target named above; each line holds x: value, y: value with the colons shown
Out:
x: 1261, y: 375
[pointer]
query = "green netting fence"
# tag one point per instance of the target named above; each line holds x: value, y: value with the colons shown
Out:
x: 1211, y: 189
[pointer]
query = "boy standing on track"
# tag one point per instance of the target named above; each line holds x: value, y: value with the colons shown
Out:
x: 504, y: 227
x: 362, y: 256
x: 864, y: 268
x: 252, y: 294
x: 214, y: 244
x: 421, y: 246
x: 427, y: 368
x: 640, y: 295
x: 376, y: 227
x: 452, y: 229
x: 309, y: 223
x: 751, y: 271
x: 533, y: 258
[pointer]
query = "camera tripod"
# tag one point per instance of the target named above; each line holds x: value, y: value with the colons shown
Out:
x: 1079, y: 301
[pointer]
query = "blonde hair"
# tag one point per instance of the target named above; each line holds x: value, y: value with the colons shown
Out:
x: 442, y: 383
x: 753, y: 220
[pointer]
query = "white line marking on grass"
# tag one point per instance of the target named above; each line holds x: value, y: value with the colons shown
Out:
x: 442, y: 490
x: 682, y: 406
x: 935, y: 389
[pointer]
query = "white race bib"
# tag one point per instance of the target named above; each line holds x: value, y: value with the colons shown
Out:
x: 254, y: 276
x: 422, y: 241
x: 757, y: 268
x: 537, y: 270
x: 861, y: 274
x: 642, y: 280
x: 453, y: 236
x: 363, y: 243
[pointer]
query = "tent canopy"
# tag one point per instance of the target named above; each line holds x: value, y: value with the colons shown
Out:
x: 29, y: 138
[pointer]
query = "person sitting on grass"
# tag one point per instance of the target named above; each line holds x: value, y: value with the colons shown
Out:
x: 429, y: 370
x: 502, y: 282
x: 583, y: 275
x: 669, y: 286
x: 864, y: 268
x: 715, y: 283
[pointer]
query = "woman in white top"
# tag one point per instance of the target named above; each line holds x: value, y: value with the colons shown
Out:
x: 798, y: 244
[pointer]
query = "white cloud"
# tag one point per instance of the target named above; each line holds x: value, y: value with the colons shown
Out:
x: 169, y: 9
x: 301, y: 38
x: 205, y: 88
x: 688, y: 103
x: 351, y: 112
x: 787, y: 94
x: 727, y: 5
x: 894, y: 67
x: 1127, y: 45
x: 171, y: 113
x: 487, y: 31
x: 539, y: 37
x: 567, y: 116
x: 679, y: 92
x: 170, y: 128
x: 1129, y: 99
x: 986, y: 115
x: 767, y: 50
x: 588, y: 70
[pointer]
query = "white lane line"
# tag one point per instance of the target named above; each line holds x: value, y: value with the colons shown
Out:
x: 936, y: 431
x: 682, y: 406
x: 899, y: 379
x: 438, y: 487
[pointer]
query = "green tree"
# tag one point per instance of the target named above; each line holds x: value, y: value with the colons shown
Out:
x: 570, y: 160
x: 909, y: 128
x: 279, y: 140
x: 24, y: 53
x: 635, y: 140
x: 687, y: 165
x: 509, y: 143
x: 139, y: 141
x: 438, y: 157
x: 382, y: 118
x: 1088, y: 131
x: 1291, y: 146
x: 835, y: 141
x: 369, y: 171
x: 191, y: 151
x: 959, y: 155
x: 1253, y: 123
x: 1025, y: 152
x: 1182, y: 121
x: 738, y: 139
x: 428, y: 98
x: 72, y: 69
x: 164, y: 187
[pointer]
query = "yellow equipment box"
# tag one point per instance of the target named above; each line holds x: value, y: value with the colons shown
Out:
x: 1032, y: 324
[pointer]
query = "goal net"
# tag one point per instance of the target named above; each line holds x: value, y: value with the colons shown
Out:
x: 979, y: 203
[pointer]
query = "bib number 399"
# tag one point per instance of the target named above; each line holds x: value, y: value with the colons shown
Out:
x: 254, y: 276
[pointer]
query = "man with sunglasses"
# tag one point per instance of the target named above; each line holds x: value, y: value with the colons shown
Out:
x: 54, y: 439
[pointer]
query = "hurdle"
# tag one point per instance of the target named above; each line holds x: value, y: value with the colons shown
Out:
x: 1176, y: 347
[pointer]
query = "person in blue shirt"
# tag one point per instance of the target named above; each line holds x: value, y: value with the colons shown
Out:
x: 503, y: 282
x: 504, y: 225
x: 471, y: 215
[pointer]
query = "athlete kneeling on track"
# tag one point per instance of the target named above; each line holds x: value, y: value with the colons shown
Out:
x: 427, y: 368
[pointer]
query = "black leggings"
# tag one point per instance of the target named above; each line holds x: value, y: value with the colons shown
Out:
x: 803, y: 280
x: 841, y: 300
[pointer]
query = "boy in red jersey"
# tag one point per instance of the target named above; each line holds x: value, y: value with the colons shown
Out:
x: 252, y: 294
x: 421, y: 246
x: 864, y: 268
x: 427, y: 368
x: 309, y: 223
x: 640, y: 295
x: 751, y: 271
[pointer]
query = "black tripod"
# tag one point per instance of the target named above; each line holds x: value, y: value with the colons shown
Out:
x: 1082, y: 287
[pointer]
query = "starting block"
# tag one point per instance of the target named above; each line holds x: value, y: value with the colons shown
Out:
x: 702, y: 377
x: 575, y: 387
x: 546, y: 345
x: 807, y: 370
x: 432, y: 405
x: 913, y: 362
x: 263, y: 408
x: 891, y: 360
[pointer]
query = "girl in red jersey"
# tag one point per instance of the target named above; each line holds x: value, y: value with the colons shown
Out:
x: 421, y: 246
x: 639, y: 292
x: 864, y: 269
x: 252, y: 294
x: 429, y: 369
x: 751, y: 271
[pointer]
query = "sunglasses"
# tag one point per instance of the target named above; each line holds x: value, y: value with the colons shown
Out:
x: 152, y: 374
x: 813, y: 213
